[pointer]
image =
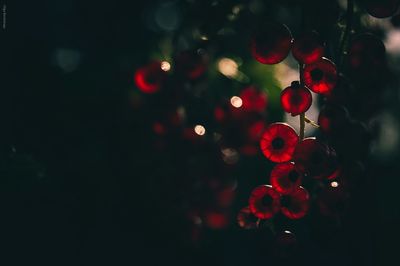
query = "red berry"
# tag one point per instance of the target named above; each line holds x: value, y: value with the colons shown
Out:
x: 253, y: 100
x: 191, y: 64
x: 296, y: 204
x: 264, y: 202
x: 296, y: 99
x: 366, y: 53
x: 278, y: 142
x: 150, y: 78
x: 320, y: 76
x: 332, y: 199
x: 285, y: 178
x: 382, y: 8
x: 246, y: 218
x: 308, y: 47
x: 332, y: 118
x: 314, y: 158
x: 216, y: 219
x: 271, y: 44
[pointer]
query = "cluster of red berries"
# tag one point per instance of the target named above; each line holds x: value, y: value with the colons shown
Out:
x: 296, y: 158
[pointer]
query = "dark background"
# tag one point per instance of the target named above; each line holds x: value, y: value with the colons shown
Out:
x: 80, y: 183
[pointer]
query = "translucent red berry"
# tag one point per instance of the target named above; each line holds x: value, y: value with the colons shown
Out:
x: 216, y: 219
x: 296, y: 99
x: 320, y: 76
x: 246, y: 219
x: 382, y: 8
x: 366, y: 53
x: 285, y: 178
x: 296, y: 204
x: 314, y: 158
x: 149, y: 78
x: 278, y: 142
x: 253, y: 100
x: 271, y: 44
x: 264, y: 202
x: 308, y: 47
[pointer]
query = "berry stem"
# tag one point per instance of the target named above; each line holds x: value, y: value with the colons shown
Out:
x: 345, y: 36
x: 302, y: 125
x: 312, y: 123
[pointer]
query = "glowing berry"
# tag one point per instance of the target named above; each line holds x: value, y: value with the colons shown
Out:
x: 149, y: 78
x: 320, y: 76
x: 308, y: 47
x: 296, y: 99
x: 278, y: 142
x: 285, y: 178
x: 264, y: 202
x: 246, y: 219
x: 314, y: 158
x: 382, y: 8
x: 296, y: 204
x: 253, y: 100
x: 271, y: 44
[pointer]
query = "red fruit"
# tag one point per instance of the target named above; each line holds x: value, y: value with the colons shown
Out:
x: 296, y: 204
x: 320, y: 76
x: 382, y: 8
x: 285, y: 178
x: 308, y: 47
x: 315, y: 158
x: 332, y: 118
x: 150, y: 78
x: 278, y: 142
x: 253, y: 100
x: 191, y: 64
x: 216, y: 219
x: 271, y: 44
x: 246, y: 219
x: 296, y: 99
x: 264, y: 202
x: 366, y: 53
x: 332, y: 200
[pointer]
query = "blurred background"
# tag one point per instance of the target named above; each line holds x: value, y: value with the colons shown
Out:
x: 94, y: 170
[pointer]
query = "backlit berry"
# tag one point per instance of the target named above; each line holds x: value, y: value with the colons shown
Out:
x: 150, y: 78
x: 285, y: 178
x: 271, y: 44
x: 264, y: 201
x: 296, y: 99
x: 332, y: 118
x: 320, y: 76
x: 253, y: 100
x: 246, y: 219
x: 308, y: 47
x: 278, y: 142
x: 315, y: 158
x: 296, y: 204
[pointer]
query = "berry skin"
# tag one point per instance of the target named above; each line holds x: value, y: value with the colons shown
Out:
x: 314, y: 158
x: 264, y: 202
x: 278, y: 142
x: 246, y: 219
x: 149, y: 78
x: 382, y: 8
x: 253, y: 100
x: 320, y: 76
x: 285, y: 178
x: 271, y: 44
x: 296, y: 99
x: 296, y: 204
x: 308, y: 47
